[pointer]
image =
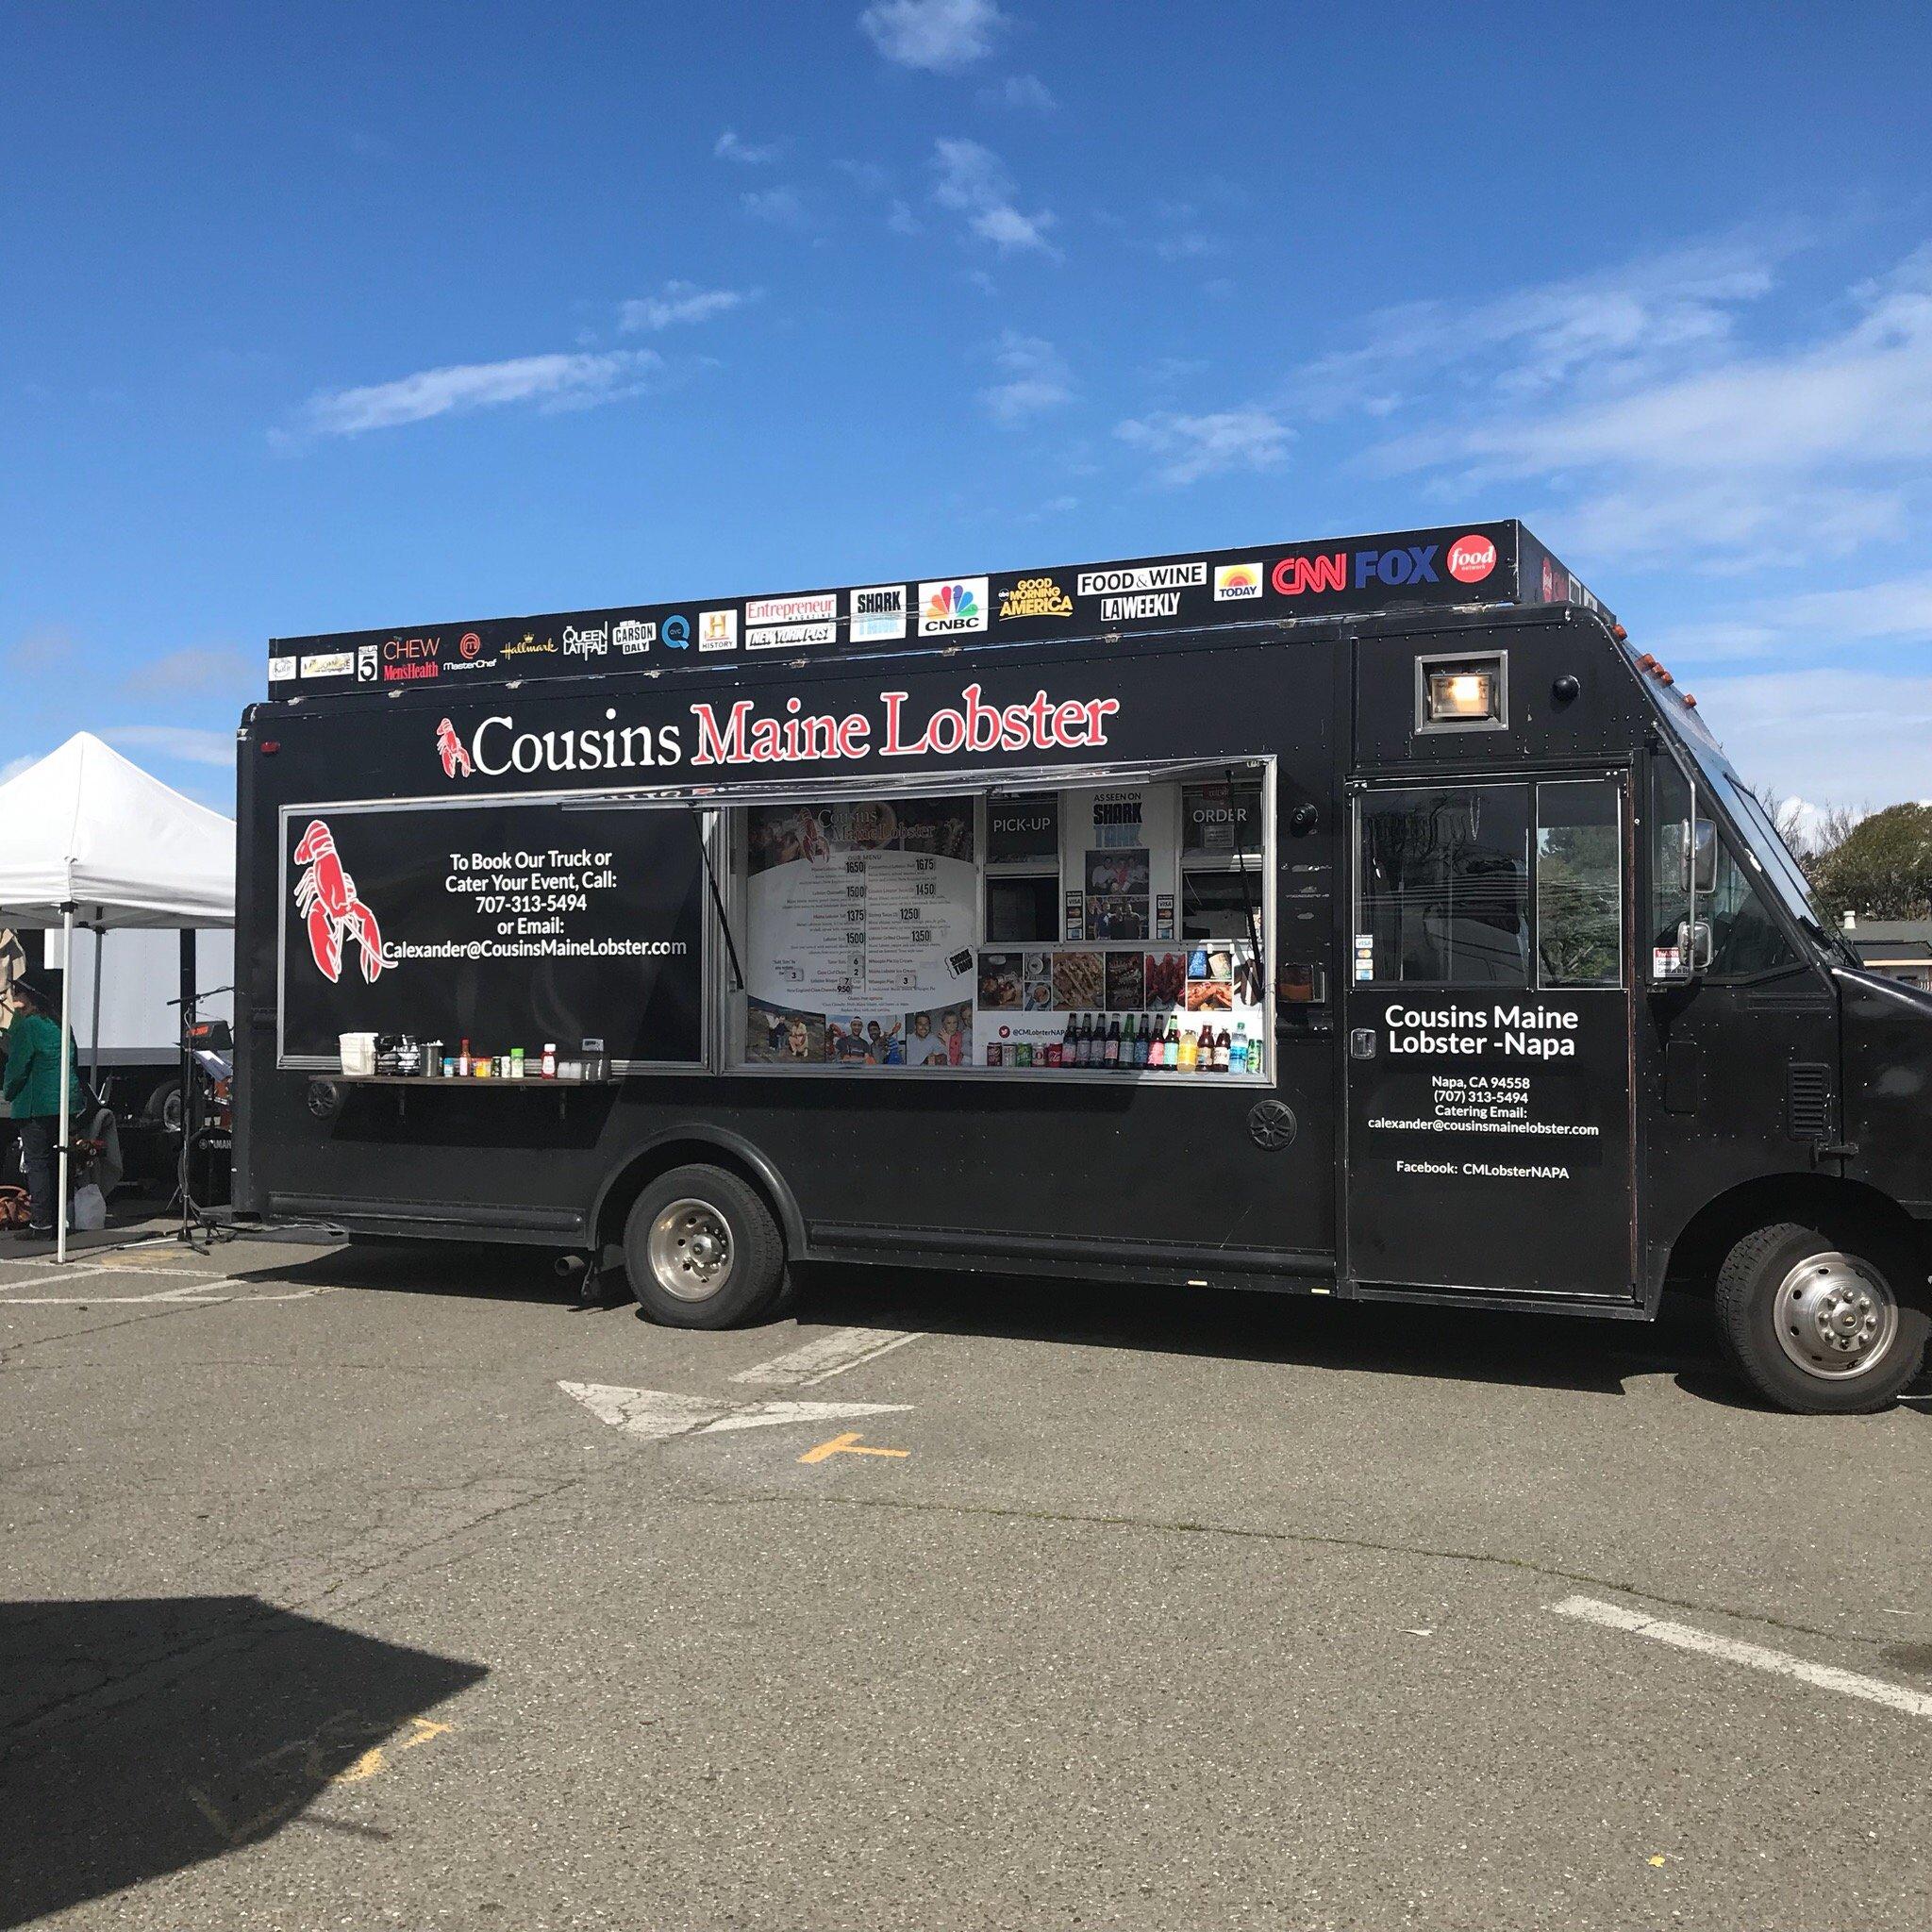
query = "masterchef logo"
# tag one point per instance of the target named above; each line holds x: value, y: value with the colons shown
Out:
x: 743, y: 734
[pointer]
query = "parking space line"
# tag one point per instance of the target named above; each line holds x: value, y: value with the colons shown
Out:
x: 830, y: 1354
x: 1591, y: 1610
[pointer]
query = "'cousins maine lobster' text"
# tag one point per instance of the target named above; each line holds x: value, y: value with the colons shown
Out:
x: 740, y: 734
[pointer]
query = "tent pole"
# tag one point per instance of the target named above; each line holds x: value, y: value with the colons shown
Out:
x: 93, y: 1051
x: 66, y: 1098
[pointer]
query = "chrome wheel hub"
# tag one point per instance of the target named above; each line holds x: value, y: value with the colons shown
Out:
x: 691, y: 1250
x: 1836, y: 1316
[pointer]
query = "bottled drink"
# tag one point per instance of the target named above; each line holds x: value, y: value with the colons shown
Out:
x: 1223, y: 1052
x: 1238, y: 1050
x: 1144, y: 1038
x: 1112, y: 1050
x: 1130, y: 1044
x: 1069, y: 1054
x: 462, y: 1063
x: 1255, y: 1052
x: 1083, y: 1044
x: 1173, y: 1042
x: 1190, y: 1053
x: 1205, y: 1061
x: 1156, y: 1045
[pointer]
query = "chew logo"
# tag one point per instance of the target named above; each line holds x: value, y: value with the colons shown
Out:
x: 449, y: 748
x: 1471, y: 559
x: 325, y: 897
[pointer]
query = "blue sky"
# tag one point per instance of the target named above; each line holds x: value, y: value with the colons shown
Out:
x: 317, y: 318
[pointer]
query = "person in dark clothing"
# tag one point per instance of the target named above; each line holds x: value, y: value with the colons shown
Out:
x: 32, y: 1087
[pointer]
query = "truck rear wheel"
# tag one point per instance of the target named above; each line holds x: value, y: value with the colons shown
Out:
x: 703, y: 1249
x: 1820, y: 1323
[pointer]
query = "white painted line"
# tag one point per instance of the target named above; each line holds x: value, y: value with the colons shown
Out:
x: 659, y: 1414
x: 830, y: 1354
x: 1686, y: 1637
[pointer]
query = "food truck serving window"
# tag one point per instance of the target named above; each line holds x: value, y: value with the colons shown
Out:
x: 1009, y: 932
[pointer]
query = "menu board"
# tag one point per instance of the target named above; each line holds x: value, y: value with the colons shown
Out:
x: 860, y: 920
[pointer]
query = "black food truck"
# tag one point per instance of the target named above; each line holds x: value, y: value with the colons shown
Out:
x: 1363, y: 917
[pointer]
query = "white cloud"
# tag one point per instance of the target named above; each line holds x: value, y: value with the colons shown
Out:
x: 1025, y: 92
x: 1615, y: 324
x: 15, y: 766
x: 1811, y: 623
x: 783, y: 206
x: 46, y: 647
x: 1037, y: 378
x: 677, y: 302
x: 1629, y: 396
x: 184, y: 742
x: 938, y: 36
x: 973, y: 181
x: 554, y: 381
x: 729, y: 147
x: 1190, y: 447
x: 1830, y: 737
x: 196, y: 669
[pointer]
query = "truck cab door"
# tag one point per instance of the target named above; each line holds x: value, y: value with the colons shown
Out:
x: 1489, y: 1146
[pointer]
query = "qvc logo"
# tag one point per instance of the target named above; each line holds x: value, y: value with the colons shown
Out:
x: 1471, y: 559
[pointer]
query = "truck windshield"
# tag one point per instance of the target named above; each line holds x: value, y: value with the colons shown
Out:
x: 1764, y: 845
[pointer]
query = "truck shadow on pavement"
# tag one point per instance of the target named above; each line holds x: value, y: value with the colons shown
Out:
x: 143, y: 1737
x: 1493, y: 1345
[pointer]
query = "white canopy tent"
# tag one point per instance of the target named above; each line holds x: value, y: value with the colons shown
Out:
x: 87, y: 838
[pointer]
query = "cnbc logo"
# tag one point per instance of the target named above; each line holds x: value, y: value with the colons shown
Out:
x: 952, y: 605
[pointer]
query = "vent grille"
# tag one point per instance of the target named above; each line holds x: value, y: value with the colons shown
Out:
x: 1808, y: 1101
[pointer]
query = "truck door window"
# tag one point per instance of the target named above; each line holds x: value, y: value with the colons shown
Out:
x: 1672, y: 883
x: 1744, y: 937
x: 1443, y: 879
x: 1580, y: 875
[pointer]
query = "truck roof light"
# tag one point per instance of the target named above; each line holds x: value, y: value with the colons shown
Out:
x: 1646, y: 662
x: 1459, y: 696
x: 1622, y: 636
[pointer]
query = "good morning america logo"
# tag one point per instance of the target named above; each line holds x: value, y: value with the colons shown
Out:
x: 741, y: 735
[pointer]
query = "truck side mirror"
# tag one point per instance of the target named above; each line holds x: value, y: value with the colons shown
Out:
x: 1694, y: 945
x: 1703, y: 869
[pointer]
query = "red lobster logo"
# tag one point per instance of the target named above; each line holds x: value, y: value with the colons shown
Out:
x: 449, y: 748
x: 325, y: 897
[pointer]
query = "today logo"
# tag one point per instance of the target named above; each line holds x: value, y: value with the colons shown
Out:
x: 1232, y: 581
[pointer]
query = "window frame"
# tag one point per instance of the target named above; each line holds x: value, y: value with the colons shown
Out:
x: 731, y: 812
x: 1363, y: 793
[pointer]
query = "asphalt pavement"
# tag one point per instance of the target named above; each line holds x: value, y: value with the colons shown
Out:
x: 352, y: 1585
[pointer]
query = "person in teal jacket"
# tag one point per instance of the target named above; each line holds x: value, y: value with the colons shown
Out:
x: 32, y: 1087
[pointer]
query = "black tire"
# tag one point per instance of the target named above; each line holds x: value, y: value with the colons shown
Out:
x: 682, y: 1218
x: 1774, y: 1340
x: 164, y: 1105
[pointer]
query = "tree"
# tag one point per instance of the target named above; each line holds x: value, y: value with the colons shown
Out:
x: 1881, y: 867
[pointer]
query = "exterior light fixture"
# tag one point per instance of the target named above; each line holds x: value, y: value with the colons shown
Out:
x: 1463, y: 694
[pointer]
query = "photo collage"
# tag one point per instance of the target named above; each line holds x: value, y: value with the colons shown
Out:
x: 868, y: 936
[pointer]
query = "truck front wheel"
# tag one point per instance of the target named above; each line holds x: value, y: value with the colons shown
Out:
x: 702, y: 1250
x: 1822, y: 1324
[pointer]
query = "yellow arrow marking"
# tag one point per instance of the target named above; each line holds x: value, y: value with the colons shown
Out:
x: 847, y: 1444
